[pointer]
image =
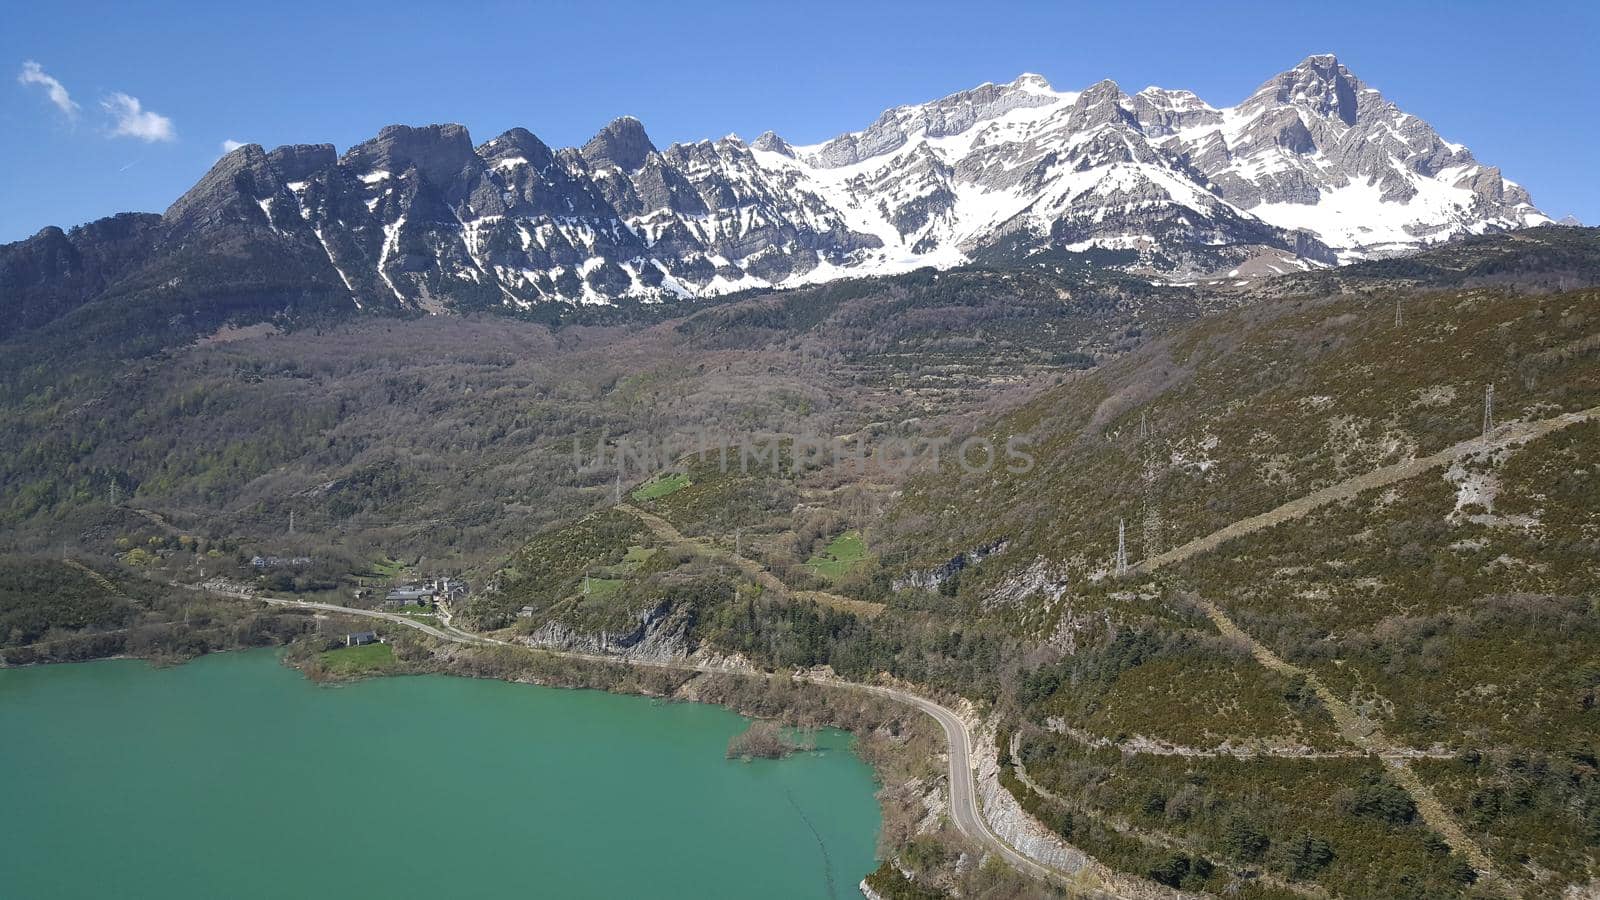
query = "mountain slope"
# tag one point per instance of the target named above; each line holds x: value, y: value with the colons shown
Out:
x: 1393, y: 694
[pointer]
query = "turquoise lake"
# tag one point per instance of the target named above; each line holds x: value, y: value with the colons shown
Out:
x: 233, y: 776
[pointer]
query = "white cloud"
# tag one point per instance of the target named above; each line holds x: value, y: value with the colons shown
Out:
x: 133, y: 120
x: 230, y: 145
x: 33, y: 73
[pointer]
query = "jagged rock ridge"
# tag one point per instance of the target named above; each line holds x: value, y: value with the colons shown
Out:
x: 1312, y: 169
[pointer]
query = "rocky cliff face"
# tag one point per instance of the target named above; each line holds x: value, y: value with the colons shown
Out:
x: 1312, y: 169
x: 661, y: 634
x: 56, y: 271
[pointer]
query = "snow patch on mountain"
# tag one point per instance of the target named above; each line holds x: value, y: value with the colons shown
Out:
x: 1311, y: 169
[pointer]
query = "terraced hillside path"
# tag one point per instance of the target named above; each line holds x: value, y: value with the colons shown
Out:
x: 104, y: 582
x: 1356, y: 730
x: 1151, y: 838
x: 1366, y: 735
x: 1505, y: 436
x: 668, y: 533
x: 1146, y: 747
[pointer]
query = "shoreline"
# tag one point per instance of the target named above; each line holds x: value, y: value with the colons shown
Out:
x: 934, y: 799
x: 547, y: 788
x: 901, y: 747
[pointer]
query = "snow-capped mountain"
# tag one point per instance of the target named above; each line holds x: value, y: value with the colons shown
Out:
x: 1314, y: 168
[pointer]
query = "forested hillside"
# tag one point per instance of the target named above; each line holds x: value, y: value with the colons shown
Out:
x: 453, y: 435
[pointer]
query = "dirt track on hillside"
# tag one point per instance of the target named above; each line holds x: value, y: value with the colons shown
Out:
x: 1504, y: 436
x: 667, y: 533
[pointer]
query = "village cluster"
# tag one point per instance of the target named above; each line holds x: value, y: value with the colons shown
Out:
x: 428, y: 593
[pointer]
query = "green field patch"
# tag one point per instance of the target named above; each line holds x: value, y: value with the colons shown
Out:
x: 841, y: 555
x: 631, y: 562
x: 601, y: 588
x: 724, y: 490
x: 661, y: 486
x: 358, y: 660
x: 386, y: 568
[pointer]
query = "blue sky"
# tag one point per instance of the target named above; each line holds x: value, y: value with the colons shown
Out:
x: 130, y: 103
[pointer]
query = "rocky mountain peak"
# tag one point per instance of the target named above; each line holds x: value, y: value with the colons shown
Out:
x: 1030, y: 81
x: 771, y: 143
x: 514, y: 139
x: 1320, y: 84
x: 947, y: 116
x: 440, y: 153
x: 226, y: 192
x: 299, y: 162
x: 622, y: 143
x: 1102, y: 91
x: 517, y: 145
x: 1102, y: 103
x: 1161, y: 112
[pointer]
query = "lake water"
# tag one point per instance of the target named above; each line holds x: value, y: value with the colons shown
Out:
x: 233, y: 776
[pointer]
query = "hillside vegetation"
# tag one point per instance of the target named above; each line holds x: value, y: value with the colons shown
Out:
x: 1452, y: 613
x: 1388, y: 693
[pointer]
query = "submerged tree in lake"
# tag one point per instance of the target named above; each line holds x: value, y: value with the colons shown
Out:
x: 765, y: 740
